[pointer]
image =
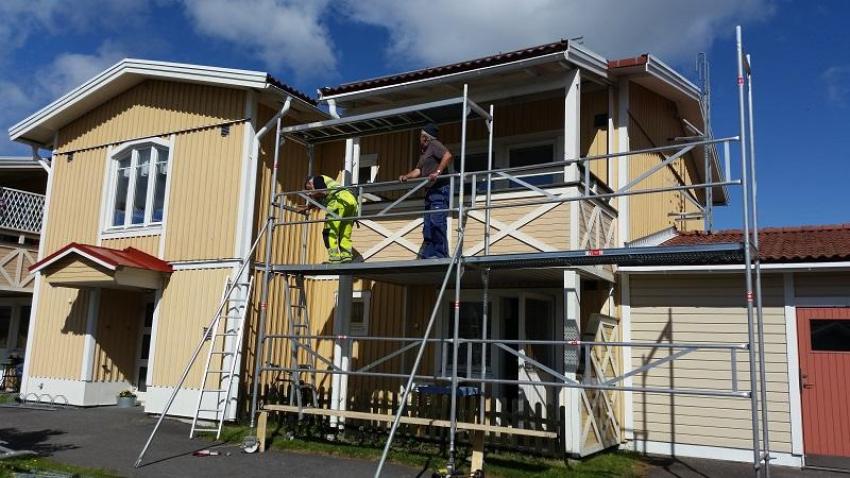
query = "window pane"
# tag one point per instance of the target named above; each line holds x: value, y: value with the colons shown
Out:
x: 146, y: 347
x: 477, y: 162
x: 159, y: 186
x: 544, y: 153
x: 23, y: 327
x: 122, y: 183
x: 5, y: 324
x: 830, y: 335
x: 140, y: 196
x: 471, y: 314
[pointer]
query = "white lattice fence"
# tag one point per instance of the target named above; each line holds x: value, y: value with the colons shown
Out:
x: 600, y: 408
x: 21, y: 210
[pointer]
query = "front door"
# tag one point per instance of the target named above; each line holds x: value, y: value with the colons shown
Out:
x: 536, y: 322
x: 824, y: 346
x: 144, y: 350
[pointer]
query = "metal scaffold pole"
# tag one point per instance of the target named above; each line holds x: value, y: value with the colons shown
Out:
x: 267, y: 277
x: 485, y: 275
x: 759, y: 308
x: 459, y: 265
x: 748, y: 262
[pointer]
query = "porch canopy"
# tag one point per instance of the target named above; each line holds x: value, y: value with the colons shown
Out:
x: 83, y: 265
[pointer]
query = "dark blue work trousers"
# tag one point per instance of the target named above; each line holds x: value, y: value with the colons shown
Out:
x: 435, y: 241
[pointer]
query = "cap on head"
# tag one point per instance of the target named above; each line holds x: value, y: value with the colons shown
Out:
x: 431, y: 130
x: 319, y: 182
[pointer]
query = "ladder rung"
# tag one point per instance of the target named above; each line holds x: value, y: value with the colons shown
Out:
x: 213, y: 390
x: 300, y: 325
x: 216, y: 410
x: 221, y: 353
x: 206, y: 430
x: 227, y: 334
x: 225, y: 372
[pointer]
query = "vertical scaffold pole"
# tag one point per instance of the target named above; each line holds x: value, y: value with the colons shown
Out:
x: 759, y: 308
x: 459, y: 265
x: 267, y: 278
x: 748, y: 272
x: 485, y: 276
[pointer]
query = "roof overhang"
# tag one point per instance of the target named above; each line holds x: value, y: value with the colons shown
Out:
x: 838, y: 266
x: 656, y: 76
x: 83, y: 266
x: 486, y: 82
x: 40, y: 127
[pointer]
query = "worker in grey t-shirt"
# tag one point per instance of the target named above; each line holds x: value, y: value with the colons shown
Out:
x: 434, y: 160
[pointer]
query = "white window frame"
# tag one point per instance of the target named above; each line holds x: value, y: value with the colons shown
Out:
x: 364, y: 297
x: 148, y: 227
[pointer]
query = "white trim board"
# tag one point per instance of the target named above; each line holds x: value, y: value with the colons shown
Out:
x: 772, y: 267
x: 708, y: 452
x: 793, y: 354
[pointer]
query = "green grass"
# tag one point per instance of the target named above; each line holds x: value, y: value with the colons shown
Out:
x: 7, y: 398
x: 30, y: 464
x: 427, y: 456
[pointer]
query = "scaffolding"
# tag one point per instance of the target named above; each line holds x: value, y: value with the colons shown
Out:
x: 472, y: 193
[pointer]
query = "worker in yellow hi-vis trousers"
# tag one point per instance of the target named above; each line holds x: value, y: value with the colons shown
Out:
x: 340, y: 202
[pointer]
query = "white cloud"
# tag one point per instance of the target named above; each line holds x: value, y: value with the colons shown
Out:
x: 283, y: 33
x: 837, y: 82
x: 20, y: 19
x: 69, y: 70
x: 433, y: 32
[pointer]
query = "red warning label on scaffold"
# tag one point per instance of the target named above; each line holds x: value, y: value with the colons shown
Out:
x: 593, y: 252
x: 456, y: 305
x: 264, y: 306
x: 740, y: 80
x: 749, y: 296
x: 573, y: 342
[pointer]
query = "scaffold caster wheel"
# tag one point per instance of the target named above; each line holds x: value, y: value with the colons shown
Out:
x: 478, y: 474
x: 250, y: 444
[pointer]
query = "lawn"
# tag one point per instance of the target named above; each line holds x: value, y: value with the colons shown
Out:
x: 33, y: 464
x: 428, y: 456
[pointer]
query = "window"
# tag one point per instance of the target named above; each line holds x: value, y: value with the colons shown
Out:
x: 23, y: 326
x: 530, y: 155
x: 476, y: 162
x: 360, y: 313
x: 830, y: 335
x: 138, y: 187
x: 469, y: 354
x: 5, y: 326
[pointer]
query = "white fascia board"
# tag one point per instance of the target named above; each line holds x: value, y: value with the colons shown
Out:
x: 664, y: 72
x: 587, y: 60
x: 774, y: 267
x: 74, y: 250
x: 19, y: 162
x: 142, y: 69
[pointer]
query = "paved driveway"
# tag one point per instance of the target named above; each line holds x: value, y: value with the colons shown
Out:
x: 111, y: 438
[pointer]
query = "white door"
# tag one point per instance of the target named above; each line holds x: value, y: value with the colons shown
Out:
x: 536, y: 322
x: 144, y: 350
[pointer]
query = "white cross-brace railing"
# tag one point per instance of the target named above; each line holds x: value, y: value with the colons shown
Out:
x: 21, y: 211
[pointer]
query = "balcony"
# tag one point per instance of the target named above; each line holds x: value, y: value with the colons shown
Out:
x: 21, y: 212
x: 21, y: 215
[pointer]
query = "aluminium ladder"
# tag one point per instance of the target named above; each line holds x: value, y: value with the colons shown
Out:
x: 298, y: 320
x: 225, y: 336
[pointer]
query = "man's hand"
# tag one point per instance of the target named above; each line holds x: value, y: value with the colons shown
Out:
x: 433, y: 176
x: 303, y: 209
x: 403, y: 178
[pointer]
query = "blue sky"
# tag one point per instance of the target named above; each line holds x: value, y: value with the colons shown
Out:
x: 801, y: 56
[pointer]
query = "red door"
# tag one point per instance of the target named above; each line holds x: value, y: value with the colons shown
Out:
x: 824, y: 343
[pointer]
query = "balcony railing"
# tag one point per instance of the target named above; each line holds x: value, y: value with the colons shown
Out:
x: 21, y: 211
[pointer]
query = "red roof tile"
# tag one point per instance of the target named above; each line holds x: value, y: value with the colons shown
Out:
x: 783, y: 244
x: 113, y: 258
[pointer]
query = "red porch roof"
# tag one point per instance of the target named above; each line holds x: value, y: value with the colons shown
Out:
x: 107, y: 257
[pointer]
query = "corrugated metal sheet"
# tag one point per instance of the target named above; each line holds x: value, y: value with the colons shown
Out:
x: 117, y: 336
x: 59, y: 332
x: 705, y: 309
x: 188, y: 302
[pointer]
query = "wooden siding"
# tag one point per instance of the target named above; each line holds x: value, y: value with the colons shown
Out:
x: 822, y: 284
x: 149, y: 244
x: 59, y: 332
x: 69, y: 218
x: 78, y: 270
x: 653, y: 121
x: 705, y: 309
x: 152, y: 108
x: 15, y: 260
x: 117, y: 336
x: 188, y: 302
x: 204, y: 195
